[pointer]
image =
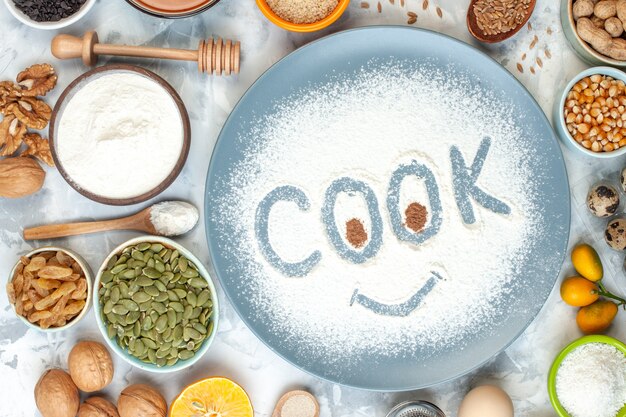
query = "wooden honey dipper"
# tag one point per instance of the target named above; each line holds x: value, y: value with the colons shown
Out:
x: 213, y: 55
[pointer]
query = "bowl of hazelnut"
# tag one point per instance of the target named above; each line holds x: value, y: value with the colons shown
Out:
x: 590, y: 117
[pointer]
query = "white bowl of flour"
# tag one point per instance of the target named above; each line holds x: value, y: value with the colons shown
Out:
x: 120, y: 134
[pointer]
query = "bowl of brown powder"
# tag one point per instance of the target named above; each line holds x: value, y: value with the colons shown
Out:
x: 303, y: 15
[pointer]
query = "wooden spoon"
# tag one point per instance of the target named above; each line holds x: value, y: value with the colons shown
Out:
x: 477, y: 32
x: 140, y: 222
x: 278, y: 411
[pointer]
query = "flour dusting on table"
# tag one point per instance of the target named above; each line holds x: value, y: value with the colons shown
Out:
x: 364, y: 128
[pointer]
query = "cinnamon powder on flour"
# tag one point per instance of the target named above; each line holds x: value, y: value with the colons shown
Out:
x: 416, y: 217
x: 355, y: 233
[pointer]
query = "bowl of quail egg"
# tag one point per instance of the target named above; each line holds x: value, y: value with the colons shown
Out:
x: 604, y: 200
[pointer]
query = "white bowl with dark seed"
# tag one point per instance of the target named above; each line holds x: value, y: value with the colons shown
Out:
x: 156, y: 304
x: 49, y: 15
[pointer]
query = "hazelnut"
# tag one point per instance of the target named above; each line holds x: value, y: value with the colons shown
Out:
x: 97, y: 407
x: 56, y: 395
x: 90, y: 366
x: 141, y: 400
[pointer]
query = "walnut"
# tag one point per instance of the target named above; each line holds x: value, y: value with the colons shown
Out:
x: 12, y: 132
x: 37, y: 80
x: 97, y: 407
x: 38, y: 147
x: 32, y: 112
x: 9, y: 93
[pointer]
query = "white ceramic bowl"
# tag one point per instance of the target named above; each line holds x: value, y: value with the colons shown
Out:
x: 559, y: 119
x: 122, y: 353
x: 88, y: 275
x: 19, y: 15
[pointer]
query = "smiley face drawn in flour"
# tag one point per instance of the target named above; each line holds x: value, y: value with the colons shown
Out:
x: 464, y: 178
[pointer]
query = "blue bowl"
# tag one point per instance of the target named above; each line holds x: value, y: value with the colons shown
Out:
x: 123, y: 353
x: 559, y: 121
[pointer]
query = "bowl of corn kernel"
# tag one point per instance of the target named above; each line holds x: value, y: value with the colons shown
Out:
x: 590, y: 117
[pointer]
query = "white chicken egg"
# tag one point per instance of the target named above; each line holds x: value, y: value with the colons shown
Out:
x: 486, y: 401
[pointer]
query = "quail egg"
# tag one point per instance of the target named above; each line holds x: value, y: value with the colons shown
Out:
x: 615, y: 234
x: 603, y: 200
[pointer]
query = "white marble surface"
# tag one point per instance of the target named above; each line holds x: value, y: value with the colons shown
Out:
x: 237, y: 353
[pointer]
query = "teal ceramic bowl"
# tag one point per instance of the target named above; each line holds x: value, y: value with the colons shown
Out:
x: 559, y: 120
x: 560, y: 410
x: 581, y: 47
x: 123, y: 353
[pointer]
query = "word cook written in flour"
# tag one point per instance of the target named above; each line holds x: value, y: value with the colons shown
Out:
x: 465, y: 190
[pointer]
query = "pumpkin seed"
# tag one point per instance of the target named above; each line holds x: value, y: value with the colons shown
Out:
x: 137, y: 254
x: 161, y: 297
x: 118, y: 268
x: 144, y: 281
x: 188, y: 311
x: 191, y: 273
x: 159, y: 266
x: 159, y: 307
x: 161, y: 323
x: 122, y: 260
x: 180, y: 293
x: 119, y: 309
x: 141, y: 296
x: 172, y: 295
x: 200, y: 328
x: 171, y: 361
x: 108, y: 306
x: 111, y: 332
x: 203, y: 297
x: 160, y: 286
x: 182, y: 264
x: 185, y: 355
x: 140, y: 348
x: 171, y: 318
x: 147, y: 323
x: 144, y: 246
x: 152, y: 355
x: 149, y: 343
x: 130, y: 305
x: 151, y: 272
x: 198, y: 282
x: 106, y: 277
x: 132, y: 317
x: 192, y: 299
x: 156, y: 247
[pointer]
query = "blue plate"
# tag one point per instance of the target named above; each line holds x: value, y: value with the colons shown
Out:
x: 344, y: 54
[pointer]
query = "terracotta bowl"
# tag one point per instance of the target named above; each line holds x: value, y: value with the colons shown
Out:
x: 75, y: 86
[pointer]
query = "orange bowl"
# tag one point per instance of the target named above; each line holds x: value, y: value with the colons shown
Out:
x: 342, y: 5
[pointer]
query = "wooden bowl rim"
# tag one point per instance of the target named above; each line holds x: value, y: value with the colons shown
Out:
x: 179, y: 163
x: 475, y: 31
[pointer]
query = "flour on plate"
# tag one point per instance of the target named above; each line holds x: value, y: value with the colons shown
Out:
x: 365, y: 128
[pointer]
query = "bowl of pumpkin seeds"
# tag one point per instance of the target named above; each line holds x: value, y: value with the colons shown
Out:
x: 156, y: 304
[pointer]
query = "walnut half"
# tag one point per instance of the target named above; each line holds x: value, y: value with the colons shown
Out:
x: 37, y: 80
x: 31, y: 111
x: 38, y: 147
x: 12, y: 132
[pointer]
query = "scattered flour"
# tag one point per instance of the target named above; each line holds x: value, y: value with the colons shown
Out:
x: 591, y: 381
x: 364, y: 128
